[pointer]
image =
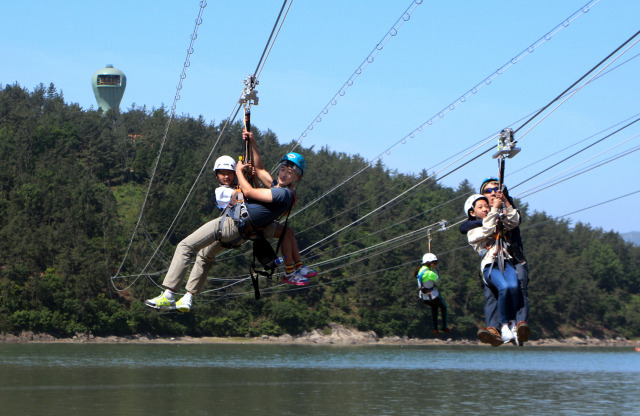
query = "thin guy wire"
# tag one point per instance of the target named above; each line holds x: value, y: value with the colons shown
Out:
x: 267, y: 49
x: 575, y: 83
x: 405, y: 17
x: 612, y: 159
x: 487, y: 81
x: 183, y: 75
x: 577, y: 89
x: 576, y: 153
x: 569, y: 147
x: 546, y: 181
x: 463, y: 98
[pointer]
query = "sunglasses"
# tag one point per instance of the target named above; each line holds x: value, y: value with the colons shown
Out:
x: 491, y: 190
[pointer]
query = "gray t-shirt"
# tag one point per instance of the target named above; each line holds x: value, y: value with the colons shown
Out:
x: 264, y: 213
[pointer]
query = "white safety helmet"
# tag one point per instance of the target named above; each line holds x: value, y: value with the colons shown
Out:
x: 428, y: 258
x: 468, y: 205
x: 224, y: 163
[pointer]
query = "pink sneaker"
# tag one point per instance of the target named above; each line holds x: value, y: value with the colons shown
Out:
x: 295, y: 279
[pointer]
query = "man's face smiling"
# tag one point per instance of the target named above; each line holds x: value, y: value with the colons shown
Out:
x: 286, y: 175
x: 491, y: 191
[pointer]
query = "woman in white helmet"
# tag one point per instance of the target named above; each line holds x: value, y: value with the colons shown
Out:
x: 225, y: 170
x: 427, y: 291
x: 490, y: 188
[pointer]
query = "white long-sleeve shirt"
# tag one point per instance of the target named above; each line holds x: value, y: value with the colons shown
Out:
x: 482, y: 238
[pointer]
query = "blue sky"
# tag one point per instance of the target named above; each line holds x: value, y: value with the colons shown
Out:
x: 438, y: 54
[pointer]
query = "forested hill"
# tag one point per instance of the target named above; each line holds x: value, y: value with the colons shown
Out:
x: 72, y: 182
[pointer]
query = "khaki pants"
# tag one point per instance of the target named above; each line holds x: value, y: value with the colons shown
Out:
x: 203, y: 242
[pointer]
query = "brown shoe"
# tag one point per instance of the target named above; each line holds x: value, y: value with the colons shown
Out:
x: 490, y: 336
x: 523, y: 331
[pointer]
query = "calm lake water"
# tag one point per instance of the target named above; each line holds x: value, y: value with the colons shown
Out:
x: 178, y: 379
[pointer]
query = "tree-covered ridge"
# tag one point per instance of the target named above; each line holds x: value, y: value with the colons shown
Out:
x: 72, y: 182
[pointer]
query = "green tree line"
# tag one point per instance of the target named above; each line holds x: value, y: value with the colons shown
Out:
x: 72, y: 182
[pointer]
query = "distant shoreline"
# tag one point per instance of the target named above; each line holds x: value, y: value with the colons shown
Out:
x: 338, y: 336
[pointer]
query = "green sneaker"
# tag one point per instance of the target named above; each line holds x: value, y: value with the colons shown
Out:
x: 161, y: 302
x: 184, y: 304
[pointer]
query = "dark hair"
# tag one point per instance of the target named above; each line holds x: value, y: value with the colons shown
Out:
x: 415, y: 272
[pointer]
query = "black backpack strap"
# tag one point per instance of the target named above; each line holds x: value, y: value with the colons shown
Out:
x: 253, y: 272
x: 254, y: 279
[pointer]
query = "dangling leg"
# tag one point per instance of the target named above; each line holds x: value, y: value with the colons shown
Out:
x: 522, y: 314
x: 493, y: 276
x: 443, y: 312
x: 513, y: 298
x: 205, y: 259
x: 434, y: 316
x: 185, y: 251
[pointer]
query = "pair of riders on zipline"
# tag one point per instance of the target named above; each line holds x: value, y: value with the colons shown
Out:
x: 249, y: 214
x: 493, y: 231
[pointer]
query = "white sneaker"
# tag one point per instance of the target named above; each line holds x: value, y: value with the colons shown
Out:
x: 295, y: 278
x: 514, y: 331
x: 506, y: 333
x: 184, y: 304
x: 306, y: 272
x: 164, y: 301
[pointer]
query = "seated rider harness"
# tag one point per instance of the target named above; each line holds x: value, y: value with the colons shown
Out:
x: 262, y: 250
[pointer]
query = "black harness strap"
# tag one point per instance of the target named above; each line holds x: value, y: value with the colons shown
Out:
x: 261, y: 243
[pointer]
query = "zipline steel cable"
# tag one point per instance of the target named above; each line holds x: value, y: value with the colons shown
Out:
x: 571, y: 145
x: 575, y: 83
x: 183, y: 75
x: 576, y: 153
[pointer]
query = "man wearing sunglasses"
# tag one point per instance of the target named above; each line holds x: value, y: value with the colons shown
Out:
x: 490, y: 188
x: 241, y: 221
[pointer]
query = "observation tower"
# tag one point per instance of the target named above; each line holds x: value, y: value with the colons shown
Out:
x: 108, y: 86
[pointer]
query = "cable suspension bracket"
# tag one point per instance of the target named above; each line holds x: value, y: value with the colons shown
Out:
x: 248, y: 98
x: 506, y: 149
x: 506, y: 145
x: 443, y: 227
